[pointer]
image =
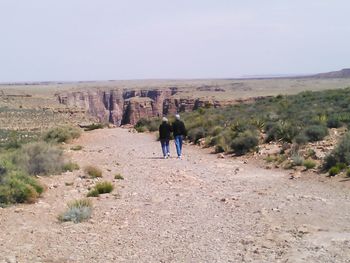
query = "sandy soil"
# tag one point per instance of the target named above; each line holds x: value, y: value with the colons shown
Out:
x: 199, y: 209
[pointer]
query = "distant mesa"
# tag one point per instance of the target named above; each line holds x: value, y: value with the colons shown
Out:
x: 344, y: 73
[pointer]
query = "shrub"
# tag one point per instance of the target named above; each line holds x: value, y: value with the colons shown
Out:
x: 316, y: 132
x: 104, y: 187
x: 340, y: 154
x: 333, y: 123
x: 76, y: 148
x: 348, y: 172
x: 118, y: 177
x: 93, y: 193
x: 17, y: 187
x: 301, y: 138
x: 196, y: 134
x: 93, y: 171
x: 244, y: 143
x: 62, y: 134
x: 147, y: 125
x: 70, y: 166
x: 334, y: 171
x: 78, y: 211
x: 40, y: 159
x: 297, y: 160
x: 309, y: 164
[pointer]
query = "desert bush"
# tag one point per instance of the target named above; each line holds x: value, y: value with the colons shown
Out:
x: 244, y: 143
x: 196, y: 134
x: 297, y: 160
x: 147, y: 125
x: 309, y: 164
x: 118, y: 177
x: 40, y: 158
x: 316, y: 132
x: 104, y: 187
x: 70, y: 166
x: 333, y: 123
x: 348, y: 172
x: 76, y: 148
x: 62, y: 134
x: 78, y: 211
x: 93, y: 193
x: 17, y: 187
x: 93, y: 171
x: 301, y: 139
x: 340, y: 154
x: 334, y: 171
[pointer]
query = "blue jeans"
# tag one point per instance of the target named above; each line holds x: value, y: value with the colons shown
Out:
x: 178, y: 144
x: 165, y: 147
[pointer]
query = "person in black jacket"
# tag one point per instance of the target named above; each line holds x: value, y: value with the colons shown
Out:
x: 164, y: 137
x: 179, y: 132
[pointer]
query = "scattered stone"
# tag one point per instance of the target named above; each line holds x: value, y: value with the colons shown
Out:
x: 221, y: 156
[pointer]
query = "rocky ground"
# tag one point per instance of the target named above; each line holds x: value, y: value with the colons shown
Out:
x: 199, y: 209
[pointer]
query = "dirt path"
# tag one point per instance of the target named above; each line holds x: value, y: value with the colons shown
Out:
x: 199, y: 209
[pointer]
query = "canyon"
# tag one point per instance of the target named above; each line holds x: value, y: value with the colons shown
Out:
x: 122, y: 106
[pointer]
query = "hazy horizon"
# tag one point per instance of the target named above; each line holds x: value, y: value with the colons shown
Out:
x: 88, y: 40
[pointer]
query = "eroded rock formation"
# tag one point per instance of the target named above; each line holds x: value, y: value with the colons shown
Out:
x: 120, y: 107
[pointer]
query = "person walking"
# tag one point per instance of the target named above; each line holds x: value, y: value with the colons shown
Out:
x: 164, y: 137
x: 179, y: 132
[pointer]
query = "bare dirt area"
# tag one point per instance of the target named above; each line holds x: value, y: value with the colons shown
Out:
x: 198, y: 209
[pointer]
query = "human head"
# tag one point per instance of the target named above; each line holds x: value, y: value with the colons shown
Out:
x: 165, y: 119
x: 177, y: 116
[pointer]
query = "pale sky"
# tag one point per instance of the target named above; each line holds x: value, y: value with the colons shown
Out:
x: 65, y: 40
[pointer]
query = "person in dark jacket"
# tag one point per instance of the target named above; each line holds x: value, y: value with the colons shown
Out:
x: 179, y: 132
x: 164, y: 137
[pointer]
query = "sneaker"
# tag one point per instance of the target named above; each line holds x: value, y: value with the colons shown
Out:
x: 179, y: 157
x: 168, y: 154
x: 165, y: 157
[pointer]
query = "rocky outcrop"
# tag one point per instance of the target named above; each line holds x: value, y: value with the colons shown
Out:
x: 121, y: 107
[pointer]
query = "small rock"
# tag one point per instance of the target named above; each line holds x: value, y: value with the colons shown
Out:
x: 221, y: 156
x: 223, y: 200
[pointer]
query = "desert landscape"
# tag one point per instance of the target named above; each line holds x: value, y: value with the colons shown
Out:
x: 270, y: 203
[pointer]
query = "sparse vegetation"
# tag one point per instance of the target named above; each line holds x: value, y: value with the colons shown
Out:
x: 62, y: 134
x: 340, y: 154
x: 100, y: 188
x: 93, y: 171
x: 78, y: 211
x: 309, y: 164
x: 70, y: 166
x: 94, y: 126
x: 76, y: 148
x: 118, y: 177
x: 147, y: 125
x: 334, y: 171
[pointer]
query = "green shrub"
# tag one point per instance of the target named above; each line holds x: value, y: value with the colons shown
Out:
x: 93, y: 171
x: 104, y: 187
x: 316, y: 132
x: 17, y: 187
x: 40, y: 158
x: 147, y: 125
x: 334, y: 171
x: 118, y: 177
x: 62, y: 134
x: 348, y: 172
x: 76, y: 148
x: 309, y: 164
x: 301, y: 139
x: 340, y: 154
x: 70, y: 166
x: 196, y: 134
x: 333, y: 123
x: 78, y: 211
x: 244, y: 143
x: 93, y: 193
x: 297, y: 160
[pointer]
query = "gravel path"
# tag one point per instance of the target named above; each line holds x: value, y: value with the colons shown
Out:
x: 199, y: 209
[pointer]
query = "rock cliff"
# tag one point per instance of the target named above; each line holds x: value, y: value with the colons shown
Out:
x: 121, y: 107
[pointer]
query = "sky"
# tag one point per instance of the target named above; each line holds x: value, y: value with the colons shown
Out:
x: 68, y: 40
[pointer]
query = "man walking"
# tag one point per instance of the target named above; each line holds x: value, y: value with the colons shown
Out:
x: 179, y: 132
x: 164, y: 137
